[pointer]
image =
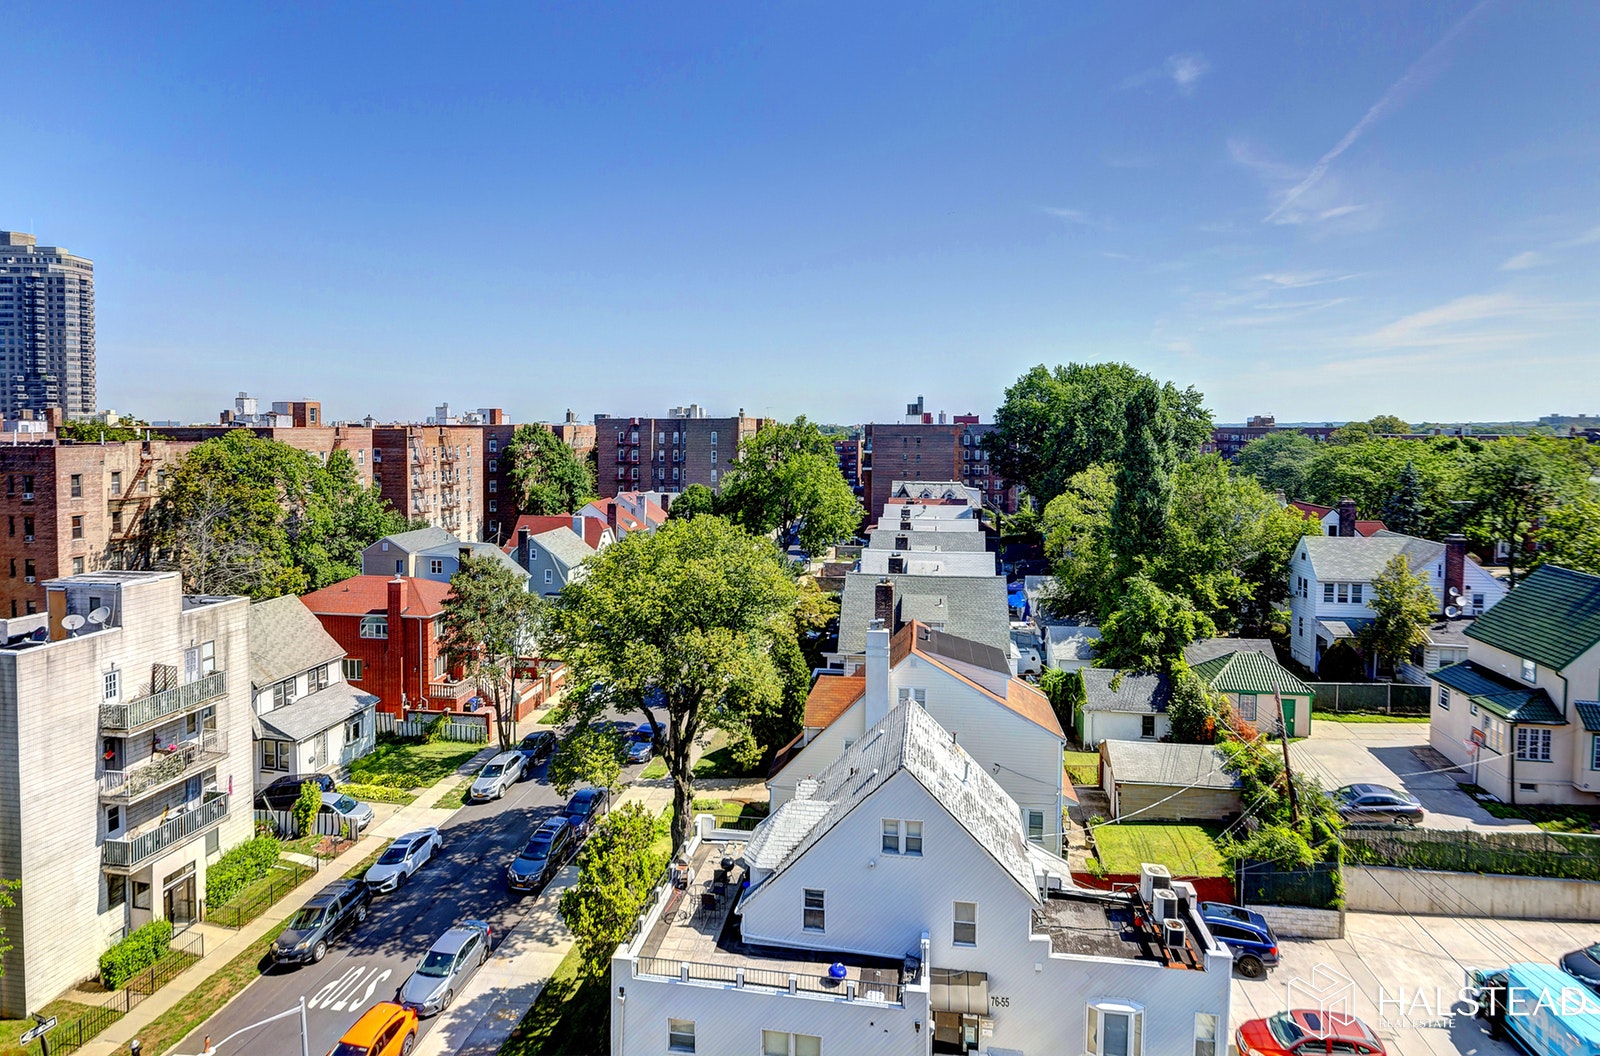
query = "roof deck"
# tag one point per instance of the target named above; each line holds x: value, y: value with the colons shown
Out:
x: 1102, y: 924
x: 696, y: 939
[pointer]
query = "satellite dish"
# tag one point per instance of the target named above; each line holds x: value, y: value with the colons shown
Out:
x: 73, y: 622
x: 100, y: 615
x: 1452, y: 612
x: 1455, y: 592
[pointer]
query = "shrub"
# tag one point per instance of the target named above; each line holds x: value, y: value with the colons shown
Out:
x: 378, y: 793
x: 433, y: 733
x: 134, y: 954
x: 306, y: 807
x: 249, y: 861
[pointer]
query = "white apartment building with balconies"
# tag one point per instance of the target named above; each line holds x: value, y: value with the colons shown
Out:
x: 125, y: 767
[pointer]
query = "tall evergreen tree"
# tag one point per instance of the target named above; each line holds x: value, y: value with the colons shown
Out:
x: 1404, y: 511
x: 1144, y: 480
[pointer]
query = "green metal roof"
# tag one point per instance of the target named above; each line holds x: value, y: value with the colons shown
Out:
x: 1510, y: 700
x: 1589, y: 712
x: 1551, y: 618
x: 1249, y: 672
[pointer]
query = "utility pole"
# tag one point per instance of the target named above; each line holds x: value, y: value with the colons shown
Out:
x: 1288, y: 776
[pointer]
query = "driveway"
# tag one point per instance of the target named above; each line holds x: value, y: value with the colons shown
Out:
x: 1410, y: 966
x: 1386, y: 753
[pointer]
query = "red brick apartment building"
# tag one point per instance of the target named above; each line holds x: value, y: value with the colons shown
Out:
x: 666, y: 454
x: 921, y: 448
x: 393, y: 637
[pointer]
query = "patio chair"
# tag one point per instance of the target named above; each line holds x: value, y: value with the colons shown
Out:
x: 708, y: 904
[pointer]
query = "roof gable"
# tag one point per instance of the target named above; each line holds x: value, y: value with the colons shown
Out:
x: 1361, y: 559
x: 830, y: 697
x: 1248, y: 671
x: 564, y: 545
x: 1513, y: 701
x: 418, y: 539
x: 1551, y: 618
x: 1133, y: 694
x: 363, y: 595
x: 286, y: 638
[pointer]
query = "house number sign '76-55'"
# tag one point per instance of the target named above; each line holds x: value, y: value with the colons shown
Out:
x: 999, y: 1002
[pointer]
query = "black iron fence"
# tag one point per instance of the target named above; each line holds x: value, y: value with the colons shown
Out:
x: 258, y: 895
x: 1269, y: 884
x: 1569, y: 856
x: 69, y: 1035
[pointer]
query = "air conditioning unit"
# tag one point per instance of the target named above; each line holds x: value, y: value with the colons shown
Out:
x: 27, y: 496
x: 29, y: 579
x: 27, y: 538
x: 1153, y: 878
x: 1172, y: 934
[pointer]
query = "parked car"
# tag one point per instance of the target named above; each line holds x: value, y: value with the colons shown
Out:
x: 535, y: 748
x: 640, y: 746
x: 330, y: 913
x: 402, y: 858
x: 549, y: 848
x: 585, y: 809
x: 346, y: 809
x: 1378, y: 803
x: 499, y: 774
x: 1302, y: 1031
x: 388, y: 1028
x: 282, y: 793
x: 615, y: 726
x: 1583, y: 964
x: 1246, y: 933
x: 449, y: 963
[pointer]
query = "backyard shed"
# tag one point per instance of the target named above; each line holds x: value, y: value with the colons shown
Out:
x: 1160, y: 781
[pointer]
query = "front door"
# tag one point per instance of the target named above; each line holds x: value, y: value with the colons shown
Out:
x: 1288, y: 717
x: 178, y: 897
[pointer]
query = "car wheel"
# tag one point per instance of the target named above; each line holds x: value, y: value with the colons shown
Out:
x: 449, y: 996
x: 1250, y: 967
x: 318, y: 952
x: 405, y: 878
x: 361, y: 914
x: 405, y: 1046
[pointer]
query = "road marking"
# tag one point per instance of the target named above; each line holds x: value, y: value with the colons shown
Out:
x: 339, y: 995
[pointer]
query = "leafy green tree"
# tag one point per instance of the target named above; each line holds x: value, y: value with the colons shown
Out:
x: 1194, y: 713
x: 588, y: 755
x: 1570, y: 536
x: 1404, y: 511
x: 693, y: 501
x: 1149, y: 628
x: 489, y: 619
x: 1144, y: 479
x: 6, y: 902
x: 786, y: 478
x: 1077, y: 540
x: 617, y: 870
x: 1402, y: 607
x: 86, y: 432
x: 1371, y: 471
x: 796, y: 652
x: 1513, y: 484
x: 689, y: 613
x: 306, y: 807
x: 246, y: 515
x: 1278, y: 460
x: 549, y: 478
x: 1388, y: 423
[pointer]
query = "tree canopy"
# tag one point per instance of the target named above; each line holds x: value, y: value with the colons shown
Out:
x: 1516, y: 482
x: 1279, y: 461
x: 786, y: 478
x: 688, y: 614
x: 693, y: 501
x: 1570, y: 535
x: 1402, y: 606
x: 489, y: 619
x: 245, y: 515
x: 548, y: 476
x: 617, y: 871
x: 87, y: 432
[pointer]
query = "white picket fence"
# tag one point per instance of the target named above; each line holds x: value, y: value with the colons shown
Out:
x: 470, y: 732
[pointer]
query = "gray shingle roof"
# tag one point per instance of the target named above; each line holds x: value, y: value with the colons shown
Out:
x: 564, y: 545
x: 320, y: 711
x: 488, y: 550
x: 920, y: 542
x: 286, y: 638
x: 1135, y: 694
x: 1160, y: 763
x: 907, y: 739
x: 1211, y: 648
x: 974, y: 607
x: 1356, y: 559
x: 1551, y: 618
x: 420, y: 539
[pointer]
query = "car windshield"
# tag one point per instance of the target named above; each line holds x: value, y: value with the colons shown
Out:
x: 1593, y: 952
x: 344, y: 1048
x: 395, y: 854
x: 537, y: 849
x: 344, y: 805
x: 308, y: 918
x: 436, y: 964
x: 1284, y: 1029
x: 492, y: 770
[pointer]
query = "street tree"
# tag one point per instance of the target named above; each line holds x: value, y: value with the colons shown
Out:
x: 489, y: 619
x: 1402, y: 607
x: 1570, y: 536
x: 588, y: 756
x: 786, y: 478
x: 617, y: 870
x: 548, y: 477
x: 685, y: 616
x: 693, y: 501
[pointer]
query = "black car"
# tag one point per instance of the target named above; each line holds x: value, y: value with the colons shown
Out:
x: 330, y: 913
x: 585, y: 809
x: 536, y: 747
x: 1584, y: 965
x: 282, y: 793
x: 550, y: 847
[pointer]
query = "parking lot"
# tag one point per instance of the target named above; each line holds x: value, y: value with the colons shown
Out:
x: 1345, y: 753
x: 1403, y: 974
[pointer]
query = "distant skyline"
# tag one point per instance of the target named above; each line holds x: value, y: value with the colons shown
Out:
x: 1321, y: 212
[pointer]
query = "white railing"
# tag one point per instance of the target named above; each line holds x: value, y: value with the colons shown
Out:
x: 185, y: 760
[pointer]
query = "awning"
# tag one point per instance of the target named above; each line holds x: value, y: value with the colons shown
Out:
x: 950, y: 990
x: 1332, y: 631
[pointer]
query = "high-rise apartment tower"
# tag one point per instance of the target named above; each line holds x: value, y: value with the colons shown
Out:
x: 46, y: 329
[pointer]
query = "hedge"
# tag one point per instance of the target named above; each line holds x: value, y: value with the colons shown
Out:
x: 134, y: 954
x: 251, y: 860
x: 378, y: 793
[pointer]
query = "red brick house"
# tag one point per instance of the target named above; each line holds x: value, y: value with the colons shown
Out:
x: 392, y: 632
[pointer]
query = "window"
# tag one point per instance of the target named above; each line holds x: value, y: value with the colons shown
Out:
x: 1115, y: 1029
x: 208, y: 657
x: 77, y: 485
x: 1302, y: 626
x: 112, y: 684
x: 1530, y: 671
x: 1533, y: 745
x: 283, y: 693
x: 276, y: 755
x: 815, y: 916
x: 549, y: 575
x: 777, y: 1043
x: 1477, y: 604
x: 1497, y: 734
x: 1344, y: 593
x: 77, y: 566
x: 113, y: 819
x: 1444, y: 698
x: 1205, y: 1034
x: 352, y: 670
x: 1355, y: 593
x: 436, y: 566
x: 494, y: 445
x: 1327, y: 592
x: 116, y: 891
x: 902, y: 837
x: 680, y: 1035
x: 352, y: 730
x: 1472, y: 705
x: 965, y: 931
x: 1147, y: 727
x: 1035, y: 823
x: 374, y: 626
x: 494, y: 505
x: 141, y: 895
x: 494, y: 465
x: 494, y: 486
x: 116, y: 482
x: 909, y: 694
x: 1247, y: 707
x: 317, y: 679
x: 1594, y: 751
x: 438, y: 666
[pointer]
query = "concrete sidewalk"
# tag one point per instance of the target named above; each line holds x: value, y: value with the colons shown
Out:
x: 223, y: 944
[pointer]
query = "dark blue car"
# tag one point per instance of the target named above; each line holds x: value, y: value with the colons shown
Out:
x: 1246, y: 933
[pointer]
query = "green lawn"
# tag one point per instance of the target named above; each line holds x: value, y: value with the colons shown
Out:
x: 1356, y: 716
x: 734, y: 811
x: 570, y: 1017
x: 655, y: 769
x: 1083, y: 768
x: 456, y: 797
x: 65, y: 1011
x: 378, y: 794
x: 1187, y: 850
x: 254, y: 898
x: 410, y: 764
x: 719, y: 761
x: 201, y: 1003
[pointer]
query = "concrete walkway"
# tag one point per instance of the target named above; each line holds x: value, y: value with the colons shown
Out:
x: 223, y: 944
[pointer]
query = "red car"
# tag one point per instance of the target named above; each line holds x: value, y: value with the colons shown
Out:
x: 1303, y: 1031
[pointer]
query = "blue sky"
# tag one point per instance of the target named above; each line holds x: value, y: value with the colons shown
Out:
x: 1323, y: 211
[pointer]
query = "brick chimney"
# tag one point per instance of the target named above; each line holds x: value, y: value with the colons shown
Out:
x: 397, y: 605
x: 524, y: 536
x: 611, y: 517
x: 883, y: 604
x: 1347, y: 517
x: 1455, y: 570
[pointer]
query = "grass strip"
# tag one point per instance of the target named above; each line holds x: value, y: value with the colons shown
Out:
x: 572, y: 1014
x: 65, y: 1011
x: 456, y: 797
x: 201, y: 1003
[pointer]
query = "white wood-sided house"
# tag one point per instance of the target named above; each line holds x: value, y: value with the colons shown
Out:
x: 1005, y: 723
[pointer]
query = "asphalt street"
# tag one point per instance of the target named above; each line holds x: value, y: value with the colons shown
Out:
x: 465, y: 880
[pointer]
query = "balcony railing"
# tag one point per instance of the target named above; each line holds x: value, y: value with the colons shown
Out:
x: 131, y: 851
x: 185, y: 760
x: 784, y: 980
x: 450, y: 690
x: 147, y: 711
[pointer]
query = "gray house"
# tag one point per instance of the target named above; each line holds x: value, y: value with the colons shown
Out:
x: 1120, y: 706
x: 428, y: 553
x: 551, y: 559
x: 308, y: 719
x: 970, y: 607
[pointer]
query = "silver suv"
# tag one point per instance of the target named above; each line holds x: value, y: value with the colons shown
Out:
x: 499, y: 774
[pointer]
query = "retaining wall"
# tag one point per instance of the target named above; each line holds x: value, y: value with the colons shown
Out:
x: 1295, y: 922
x: 1382, y: 889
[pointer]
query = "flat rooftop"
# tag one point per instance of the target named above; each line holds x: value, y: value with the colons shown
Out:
x: 1094, y: 924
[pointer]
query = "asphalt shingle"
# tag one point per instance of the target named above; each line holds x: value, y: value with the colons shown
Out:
x: 1134, y: 694
x: 286, y: 638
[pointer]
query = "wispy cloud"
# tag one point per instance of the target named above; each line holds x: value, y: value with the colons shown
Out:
x: 1078, y: 218
x: 1295, y: 280
x: 1184, y: 70
x: 1431, y: 62
x: 1477, y: 321
x: 1588, y: 238
x: 1523, y: 261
